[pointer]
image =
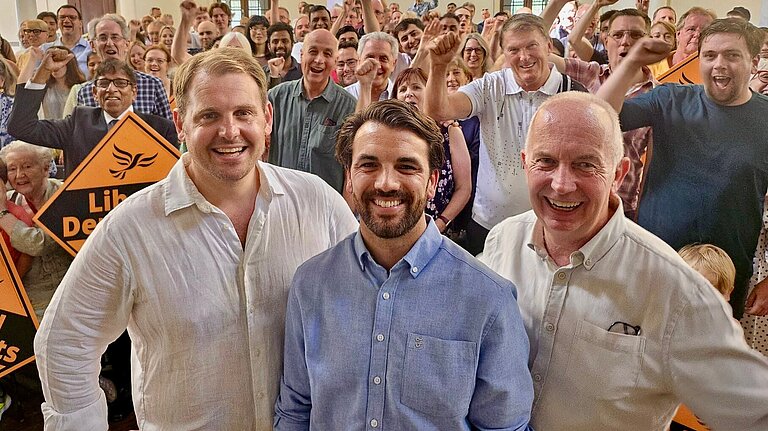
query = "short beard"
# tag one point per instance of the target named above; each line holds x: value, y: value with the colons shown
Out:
x: 388, y: 230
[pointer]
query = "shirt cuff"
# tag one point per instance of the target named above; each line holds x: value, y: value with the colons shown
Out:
x: 34, y: 86
x: 92, y: 417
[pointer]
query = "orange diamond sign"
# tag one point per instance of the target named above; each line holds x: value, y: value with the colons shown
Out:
x: 685, y: 72
x: 18, y: 323
x: 130, y: 157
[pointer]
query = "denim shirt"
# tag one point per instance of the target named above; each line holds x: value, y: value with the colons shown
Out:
x: 436, y: 343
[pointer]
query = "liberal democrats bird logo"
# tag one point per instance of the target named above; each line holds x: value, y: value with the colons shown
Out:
x: 130, y: 161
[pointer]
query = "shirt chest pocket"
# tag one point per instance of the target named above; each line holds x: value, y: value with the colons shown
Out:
x: 607, y: 363
x: 326, y: 138
x: 438, y: 375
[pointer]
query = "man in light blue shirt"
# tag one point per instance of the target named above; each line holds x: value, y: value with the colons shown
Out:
x: 405, y: 330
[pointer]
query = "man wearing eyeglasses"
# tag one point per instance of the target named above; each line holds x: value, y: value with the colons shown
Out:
x: 625, y: 28
x: 78, y: 134
x: 71, y: 28
x: 36, y: 32
x: 110, y: 40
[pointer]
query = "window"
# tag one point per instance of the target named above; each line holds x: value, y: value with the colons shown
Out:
x: 512, y: 5
x: 247, y: 8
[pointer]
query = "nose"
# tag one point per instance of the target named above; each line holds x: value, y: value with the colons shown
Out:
x: 387, y: 180
x: 229, y: 129
x: 563, y: 180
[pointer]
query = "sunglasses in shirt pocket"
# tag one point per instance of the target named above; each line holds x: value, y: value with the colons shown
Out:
x: 609, y: 361
x: 438, y: 375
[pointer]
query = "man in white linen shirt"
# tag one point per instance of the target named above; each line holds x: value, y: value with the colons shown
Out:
x: 622, y: 330
x: 197, y: 267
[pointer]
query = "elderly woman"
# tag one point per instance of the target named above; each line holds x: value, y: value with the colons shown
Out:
x: 476, y: 55
x: 28, y: 175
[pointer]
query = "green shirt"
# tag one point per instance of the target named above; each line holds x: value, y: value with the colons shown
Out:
x: 304, y: 131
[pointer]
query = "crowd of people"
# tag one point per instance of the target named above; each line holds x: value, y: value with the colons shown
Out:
x: 399, y: 218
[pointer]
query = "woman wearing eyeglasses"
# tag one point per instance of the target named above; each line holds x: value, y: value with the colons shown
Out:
x: 475, y: 53
x: 157, y: 59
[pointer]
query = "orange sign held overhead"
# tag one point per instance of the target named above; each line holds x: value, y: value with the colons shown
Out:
x: 18, y: 322
x: 685, y: 72
x: 130, y: 157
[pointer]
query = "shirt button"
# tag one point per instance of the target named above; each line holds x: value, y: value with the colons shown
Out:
x: 377, y: 380
x: 549, y: 327
x: 380, y: 337
x: 385, y: 295
x: 588, y: 262
x: 537, y: 377
x: 415, y: 269
x: 374, y: 423
x: 561, y: 275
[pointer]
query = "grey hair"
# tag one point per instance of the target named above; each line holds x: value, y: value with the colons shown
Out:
x: 240, y: 38
x: 379, y: 35
x: 42, y: 154
x: 119, y: 20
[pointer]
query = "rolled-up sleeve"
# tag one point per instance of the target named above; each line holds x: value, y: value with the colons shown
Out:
x: 89, y: 310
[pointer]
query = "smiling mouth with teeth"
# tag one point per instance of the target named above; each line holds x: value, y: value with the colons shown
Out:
x: 386, y: 204
x: 563, y: 205
x: 229, y: 150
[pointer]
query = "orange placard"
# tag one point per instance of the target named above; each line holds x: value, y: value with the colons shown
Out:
x: 18, y: 322
x: 685, y: 72
x: 130, y: 157
x: 172, y: 103
x: 686, y: 418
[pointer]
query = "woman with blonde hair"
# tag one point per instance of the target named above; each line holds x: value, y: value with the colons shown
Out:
x: 234, y: 39
x: 476, y: 55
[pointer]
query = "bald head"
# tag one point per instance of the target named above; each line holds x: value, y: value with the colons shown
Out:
x: 318, y: 57
x: 599, y: 120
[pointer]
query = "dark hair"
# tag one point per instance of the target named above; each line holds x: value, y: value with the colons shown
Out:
x: 69, y: 6
x: 606, y: 16
x: 631, y: 12
x: 345, y: 29
x: 451, y: 3
x: 318, y: 8
x: 256, y: 20
x: 113, y: 65
x: 501, y: 13
x: 280, y: 26
x: 558, y: 45
x: 397, y: 115
x: 223, y: 6
x: 449, y: 15
x: 751, y: 34
x: 48, y: 14
x: 73, y: 75
x: 738, y: 10
x: 404, y: 23
x: 405, y: 75
x: 347, y: 44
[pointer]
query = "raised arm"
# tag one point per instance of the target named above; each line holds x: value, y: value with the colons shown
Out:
x: 440, y: 105
x: 179, y: 52
x: 370, y: 23
x: 550, y: 12
x: 366, y: 73
x: 274, y: 12
x: 36, y: 56
x: 583, y: 49
x: 346, y: 7
x: 462, y: 175
x: 644, y: 52
x: 421, y: 59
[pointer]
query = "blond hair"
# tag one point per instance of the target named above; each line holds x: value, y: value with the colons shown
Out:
x: 713, y: 259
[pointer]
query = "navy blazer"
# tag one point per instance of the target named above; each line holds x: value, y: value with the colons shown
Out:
x: 77, y: 134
